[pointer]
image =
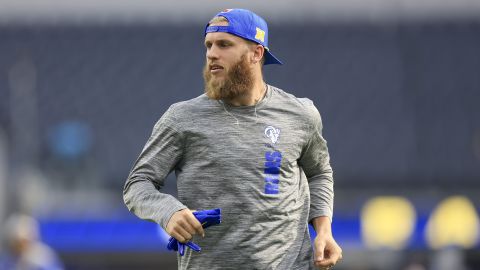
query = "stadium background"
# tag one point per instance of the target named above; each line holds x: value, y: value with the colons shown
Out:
x: 397, y: 84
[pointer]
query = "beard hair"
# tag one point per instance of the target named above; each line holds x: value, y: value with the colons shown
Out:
x: 238, y: 81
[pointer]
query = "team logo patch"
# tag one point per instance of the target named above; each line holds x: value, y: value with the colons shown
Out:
x: 260, y: 35
x: 272, y: 133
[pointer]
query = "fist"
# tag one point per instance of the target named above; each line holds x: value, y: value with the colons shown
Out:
x: 327, y: 252
x: 183, y: 225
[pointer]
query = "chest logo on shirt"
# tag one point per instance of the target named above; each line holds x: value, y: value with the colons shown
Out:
x: 272, y: 133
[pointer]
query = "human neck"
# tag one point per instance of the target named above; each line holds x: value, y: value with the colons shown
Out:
x: 252, y: 97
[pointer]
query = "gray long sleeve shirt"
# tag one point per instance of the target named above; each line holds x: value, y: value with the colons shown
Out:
x: 266, y: 166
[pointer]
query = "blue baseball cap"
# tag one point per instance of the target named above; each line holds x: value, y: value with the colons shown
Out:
x: 247, y: 25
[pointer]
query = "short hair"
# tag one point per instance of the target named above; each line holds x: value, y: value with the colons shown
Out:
x: 218, y: 19
x: 221, y: 19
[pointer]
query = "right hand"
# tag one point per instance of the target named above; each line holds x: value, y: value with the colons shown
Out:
x: 183, y: 225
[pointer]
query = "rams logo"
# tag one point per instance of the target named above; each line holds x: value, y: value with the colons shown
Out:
x: 260, y: 35
x: 272, y: 133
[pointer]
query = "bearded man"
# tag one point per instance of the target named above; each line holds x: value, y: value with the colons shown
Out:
x: 246, y: 147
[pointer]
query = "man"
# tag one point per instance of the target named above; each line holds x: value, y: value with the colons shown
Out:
x: 25, y: 250
x: 248, y: 148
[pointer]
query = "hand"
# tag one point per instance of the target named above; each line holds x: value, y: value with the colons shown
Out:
x: 207, y: 218
x: 327, y: 251
x: 183, y: 225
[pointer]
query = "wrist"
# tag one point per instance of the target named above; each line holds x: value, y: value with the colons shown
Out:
x: 322, y: 225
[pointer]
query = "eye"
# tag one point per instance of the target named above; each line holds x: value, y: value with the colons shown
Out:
x: 208, y: 45
x: 224, y: 44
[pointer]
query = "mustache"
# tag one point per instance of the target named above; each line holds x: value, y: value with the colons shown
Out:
x: 212, y: 65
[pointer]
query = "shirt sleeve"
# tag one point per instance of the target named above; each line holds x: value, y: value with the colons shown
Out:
x: 162, y: 152
x: 315, y: 162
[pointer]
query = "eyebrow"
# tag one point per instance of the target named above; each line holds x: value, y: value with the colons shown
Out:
x: 218, y: 41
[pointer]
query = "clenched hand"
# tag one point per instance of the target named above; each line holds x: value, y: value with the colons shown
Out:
x: 183, y: 225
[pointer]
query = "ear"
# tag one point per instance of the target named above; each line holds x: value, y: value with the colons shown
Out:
x: 258, y: 52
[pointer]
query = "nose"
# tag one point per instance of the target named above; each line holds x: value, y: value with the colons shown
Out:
x: 212, y: 53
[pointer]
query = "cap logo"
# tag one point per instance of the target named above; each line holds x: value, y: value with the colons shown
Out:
x: 260, y: 35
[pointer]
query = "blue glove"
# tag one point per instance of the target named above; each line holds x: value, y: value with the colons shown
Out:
x: 207, y: 218
x: 173, y: 244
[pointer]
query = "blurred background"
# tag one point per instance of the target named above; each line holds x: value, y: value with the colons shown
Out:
x: 397, y: 83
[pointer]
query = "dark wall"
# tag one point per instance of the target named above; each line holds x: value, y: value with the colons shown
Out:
x: 399, y: 102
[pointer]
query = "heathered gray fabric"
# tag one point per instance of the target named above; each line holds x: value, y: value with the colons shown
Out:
x: 218, y: 154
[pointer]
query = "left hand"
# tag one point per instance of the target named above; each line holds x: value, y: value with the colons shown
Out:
x: 327, y: 251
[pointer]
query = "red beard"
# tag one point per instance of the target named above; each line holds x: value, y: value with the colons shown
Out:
x: 238, y: 82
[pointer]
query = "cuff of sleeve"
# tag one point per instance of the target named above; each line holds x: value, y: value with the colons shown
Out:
x: 320, y: 213
x: 173, y: 206
x: 148, y: 203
